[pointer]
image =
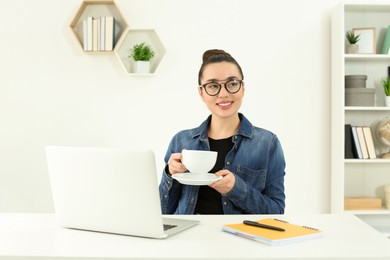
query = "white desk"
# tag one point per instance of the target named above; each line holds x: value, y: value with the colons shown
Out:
x: 25, y: 236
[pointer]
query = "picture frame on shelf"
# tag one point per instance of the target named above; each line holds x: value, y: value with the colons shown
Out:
x: 367, y: 42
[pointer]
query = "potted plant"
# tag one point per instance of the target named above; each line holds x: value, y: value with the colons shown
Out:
x: 352, y: 47
x: 386, y: 87
x: 142, y: 54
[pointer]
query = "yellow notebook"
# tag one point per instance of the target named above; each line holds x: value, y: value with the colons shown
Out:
x: 292, y: 233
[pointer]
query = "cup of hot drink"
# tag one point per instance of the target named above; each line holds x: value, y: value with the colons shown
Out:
x: 198, y: 161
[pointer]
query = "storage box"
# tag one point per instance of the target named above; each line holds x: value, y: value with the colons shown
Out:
x: 360, y: 97
x: 358, y: 203
x: 355, y: 81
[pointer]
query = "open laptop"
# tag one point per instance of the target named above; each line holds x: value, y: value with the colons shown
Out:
x: 109, y: 190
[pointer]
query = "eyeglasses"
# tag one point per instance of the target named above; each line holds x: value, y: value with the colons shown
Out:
x: 213, y: 88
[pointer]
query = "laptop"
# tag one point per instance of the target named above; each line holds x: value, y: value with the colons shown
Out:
x: 109, y: 190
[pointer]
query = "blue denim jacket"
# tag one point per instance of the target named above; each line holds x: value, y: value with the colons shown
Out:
x: 256, y: 160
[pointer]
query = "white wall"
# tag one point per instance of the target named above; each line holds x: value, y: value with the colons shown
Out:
x: 53, y: 93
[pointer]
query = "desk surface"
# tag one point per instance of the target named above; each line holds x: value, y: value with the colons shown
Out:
x: 37, y: 235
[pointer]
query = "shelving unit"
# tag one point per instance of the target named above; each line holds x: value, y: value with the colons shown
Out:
x: 358, y: 177
x: 124, y: 39
x: 135, y: 36
x: 98, y: 8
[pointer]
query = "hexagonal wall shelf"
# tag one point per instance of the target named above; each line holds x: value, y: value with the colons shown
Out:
x: 98, y: 8
x: 136, y: 36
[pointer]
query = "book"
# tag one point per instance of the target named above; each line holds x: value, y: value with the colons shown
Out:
x: 356, y: 143
x: 362, y: 142
x: 386, y: 42
x: 369, y: 142
x: 98, y: 34
x: 94, y: 34
x: 349, y: 152
x: 292, y: 233
x: 89, y: 33
x: 85, y: 35
x: 109, y: 33
x: 102, y: 33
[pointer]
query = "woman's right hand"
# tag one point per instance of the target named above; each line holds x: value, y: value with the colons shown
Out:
x: 175, y: 165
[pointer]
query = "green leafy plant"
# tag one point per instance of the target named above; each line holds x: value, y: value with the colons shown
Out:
x: 352, y: 38
x: 141, y: 52
x: 386, y: 86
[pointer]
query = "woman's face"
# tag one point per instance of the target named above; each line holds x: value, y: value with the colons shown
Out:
x: 224, y: 104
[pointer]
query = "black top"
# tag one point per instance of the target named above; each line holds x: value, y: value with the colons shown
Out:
x: 210, y: 200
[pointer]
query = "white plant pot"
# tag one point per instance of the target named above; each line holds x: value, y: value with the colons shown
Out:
x: 142, y: 67
x: 352, y: 48
x: 387, y: 101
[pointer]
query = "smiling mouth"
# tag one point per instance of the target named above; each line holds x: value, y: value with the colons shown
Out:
x: 225, y: 104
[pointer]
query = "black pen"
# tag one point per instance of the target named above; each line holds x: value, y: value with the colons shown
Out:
x: 257, y: 224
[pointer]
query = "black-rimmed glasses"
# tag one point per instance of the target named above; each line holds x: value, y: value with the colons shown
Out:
x: 213, y: 88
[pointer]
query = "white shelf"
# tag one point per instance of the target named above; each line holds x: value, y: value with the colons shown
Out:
x: 358, y: 177
x: 369, y: 212
x: 378, y: 108
x: 368, y: 161
x: 366, y: 57
x: 367, y: 7
x: 136, y: 36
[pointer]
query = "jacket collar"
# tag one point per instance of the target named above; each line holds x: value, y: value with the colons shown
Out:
x: 245, y: 129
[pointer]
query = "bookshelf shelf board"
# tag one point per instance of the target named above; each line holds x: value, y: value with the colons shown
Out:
x: 97, y: 8
x: 378, y: 108
x: 366, y: 57
x: 367, y: 7
x: 367, y: 161
x: 382, y: 211
x: 100, y: 52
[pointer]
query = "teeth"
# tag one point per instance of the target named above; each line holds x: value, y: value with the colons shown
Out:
x: 224, y: 104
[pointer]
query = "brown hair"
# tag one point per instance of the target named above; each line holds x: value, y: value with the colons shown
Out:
x: 216, y: 56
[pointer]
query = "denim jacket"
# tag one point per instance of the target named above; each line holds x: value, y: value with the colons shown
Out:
x: 256, y: 160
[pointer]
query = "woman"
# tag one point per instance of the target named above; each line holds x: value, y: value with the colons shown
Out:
x: 250, y: 159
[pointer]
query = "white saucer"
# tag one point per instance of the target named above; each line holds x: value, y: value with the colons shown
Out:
x: 190, y: 178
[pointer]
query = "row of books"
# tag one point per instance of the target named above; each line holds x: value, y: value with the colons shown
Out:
x: 98, y: 33
x: 359, y: 143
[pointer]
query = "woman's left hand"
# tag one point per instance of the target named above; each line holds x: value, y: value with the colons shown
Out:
x: 226, y: 184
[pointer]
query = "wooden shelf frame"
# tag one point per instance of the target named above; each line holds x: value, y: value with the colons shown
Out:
x: 98, y: 8
x: 136, y: 36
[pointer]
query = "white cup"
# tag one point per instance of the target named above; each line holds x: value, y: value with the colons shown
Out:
x: 387, y: 195
x: 197, y: 161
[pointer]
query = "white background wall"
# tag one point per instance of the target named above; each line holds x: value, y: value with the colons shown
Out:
x: 51, y: 93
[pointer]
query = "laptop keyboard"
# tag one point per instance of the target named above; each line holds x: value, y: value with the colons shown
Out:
x: 167, y: 227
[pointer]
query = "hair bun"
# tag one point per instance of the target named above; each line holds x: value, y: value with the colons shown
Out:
x: 209, y: 53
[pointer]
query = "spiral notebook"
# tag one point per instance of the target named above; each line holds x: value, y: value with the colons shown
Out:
x: 292, y: 233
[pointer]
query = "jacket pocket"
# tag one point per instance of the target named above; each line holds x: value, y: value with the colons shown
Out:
x: 255, y: 178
